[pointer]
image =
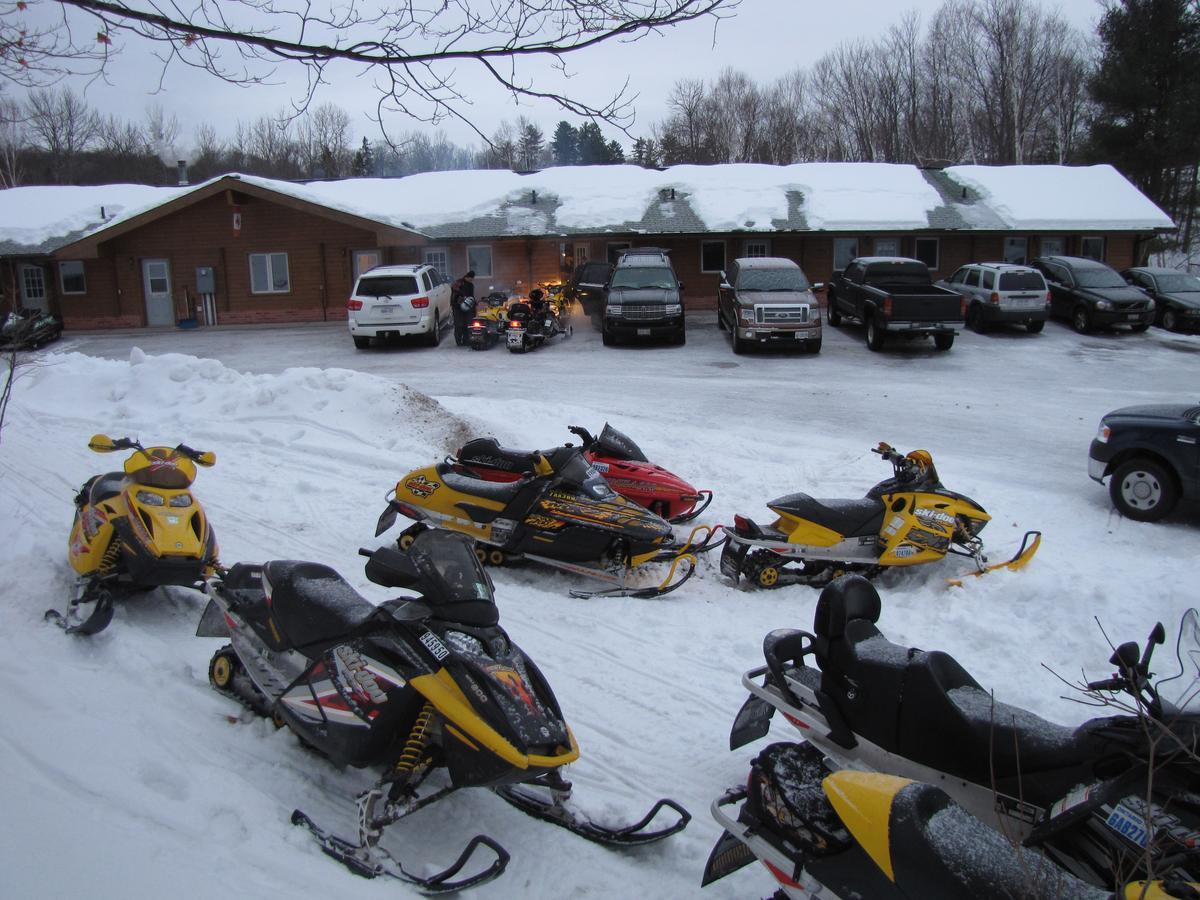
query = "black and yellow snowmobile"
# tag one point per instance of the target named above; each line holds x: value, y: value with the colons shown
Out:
x: 1119, y: 793
x: 561, y: 513
x: 429, y: 689
x: 906, y: 520
x: 135, y: 530
x: 853, y: 834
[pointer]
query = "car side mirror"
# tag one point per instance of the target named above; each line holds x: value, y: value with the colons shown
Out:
x: 725, y: 285
x: 681, y: 285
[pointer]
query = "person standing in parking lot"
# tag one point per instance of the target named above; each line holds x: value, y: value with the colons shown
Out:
x: 462, y: 305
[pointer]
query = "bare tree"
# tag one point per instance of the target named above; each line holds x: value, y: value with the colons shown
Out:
x: 120, y: 138
x: 162, y: 134
x: 13, y: 142
x: 410, y: 49
x: 64, y: 126
x: 323, y: 142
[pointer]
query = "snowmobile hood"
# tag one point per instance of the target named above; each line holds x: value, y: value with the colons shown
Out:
x: 657, y: 477
x: 615, y: 514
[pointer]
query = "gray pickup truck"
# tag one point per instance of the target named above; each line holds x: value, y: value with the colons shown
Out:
x: 894, y: 296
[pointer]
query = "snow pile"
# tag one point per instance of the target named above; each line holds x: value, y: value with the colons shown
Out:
x: 130, y: 776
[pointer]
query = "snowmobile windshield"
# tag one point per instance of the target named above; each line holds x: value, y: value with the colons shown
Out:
x: 450, y: 571
x: 772, y: 280
x: 1182, y: 690
x: 160, y: 467
x: 578, y: 473
x: 615, y: 444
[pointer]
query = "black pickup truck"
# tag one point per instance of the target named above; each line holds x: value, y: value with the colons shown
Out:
x: 894, y: 296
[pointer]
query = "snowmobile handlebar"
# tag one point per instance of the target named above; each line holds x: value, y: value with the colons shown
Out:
x: 583, y: 434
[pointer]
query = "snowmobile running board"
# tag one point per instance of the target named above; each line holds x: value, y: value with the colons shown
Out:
x: 375, y: 861
x: 687, y: 517
x: 626, y: 836
x: 1029, y: 546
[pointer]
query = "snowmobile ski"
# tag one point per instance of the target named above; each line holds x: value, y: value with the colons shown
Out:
x: 555, y: 812
x: 374, y: 861
x: 704, y: 495
x: 74, y: 622
x: 1029, y: 546
x: 668, y: 584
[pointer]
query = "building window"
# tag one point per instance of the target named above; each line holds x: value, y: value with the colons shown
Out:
x: 926, y: 250
x: 33, y: 283
x: 439, y: 258
x: 1053, y: 246
x: 71, y: 278
x: 712, y: 256
x: 1016, y: 250
x: 887, y: 246
x: 366, y: 260
x: 757, y: 248
x: 269, y: 273
x: 1092, y: 247
x: 616, y: 249
x: 844, y: 250
x: 582, y: 253
x: 479, y: 260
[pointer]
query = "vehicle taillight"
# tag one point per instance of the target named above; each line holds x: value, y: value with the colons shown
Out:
x: 1048, y: 298
x: 514, y: 324
x: 353, y: 305
x: 962, y: 308
x: 476, y: 323
x: 994, y: 299
x: 887, y: 306
x: 420, y: 302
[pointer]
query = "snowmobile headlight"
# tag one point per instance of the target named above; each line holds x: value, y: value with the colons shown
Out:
x: 150, y: 498
x: 181, y: 500
x: 1103, y: 433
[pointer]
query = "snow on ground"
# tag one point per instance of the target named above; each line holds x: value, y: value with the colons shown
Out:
x: 126, y: 775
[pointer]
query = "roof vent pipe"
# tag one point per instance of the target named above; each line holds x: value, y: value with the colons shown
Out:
x: 964, y: 193
x: 181, y: 165
x: 533, y: 197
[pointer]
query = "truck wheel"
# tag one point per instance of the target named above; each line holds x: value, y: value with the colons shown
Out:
x: 739, y: 346
x: 1143, y: 490
x: 362, y: 343
x: 943, y: 341
x: 831, y: 313
x: 1035, y: 327
x: 607, y: 338
x: 814, y: 346
x: 975, y: 319
x: 1080, y: 320
x: 876, y: 334
x: 435, y: 336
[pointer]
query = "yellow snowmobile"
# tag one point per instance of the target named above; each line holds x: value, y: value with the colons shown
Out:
x: 136, y: 529
x: 561, y: 513
x: 906, y: 520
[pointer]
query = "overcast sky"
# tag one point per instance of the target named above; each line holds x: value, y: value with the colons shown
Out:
x: 765, y: 38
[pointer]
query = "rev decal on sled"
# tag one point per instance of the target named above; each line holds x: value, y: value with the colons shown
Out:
x: 420, y: 486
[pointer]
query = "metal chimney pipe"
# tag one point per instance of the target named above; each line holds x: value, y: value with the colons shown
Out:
x: 181, y: 165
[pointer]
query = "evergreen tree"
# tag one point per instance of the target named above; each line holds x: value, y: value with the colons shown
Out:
x: 1147, y: 90
x: 565, y: 145
x: 363, y: 165
x: 530, y: 146
x: 616, y: 153
x: 593, y: 149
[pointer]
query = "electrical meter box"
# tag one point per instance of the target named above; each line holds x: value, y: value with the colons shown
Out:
x: 206, y: 280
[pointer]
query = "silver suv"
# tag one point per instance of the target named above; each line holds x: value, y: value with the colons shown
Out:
x: 391, y: 301
x: 1002, y: 293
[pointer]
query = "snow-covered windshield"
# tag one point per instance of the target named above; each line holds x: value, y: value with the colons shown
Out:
x: 649, y: 278
x: 772, y: 280
x: 1100, y: 278
x: 613, y: 443
x: 1181, y: 282
x: 1182, y: 689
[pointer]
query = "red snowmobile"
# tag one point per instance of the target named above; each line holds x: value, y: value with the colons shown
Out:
x: 621, y: 462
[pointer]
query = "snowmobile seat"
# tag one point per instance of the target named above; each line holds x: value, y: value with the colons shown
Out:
x: 102, y: 487
x: 500, y: 491
x: 310, y: 603
x: 486, y: 452
x: 851, y: 518
x: 949, y: 722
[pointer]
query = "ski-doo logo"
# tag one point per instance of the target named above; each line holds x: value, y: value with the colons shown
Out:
x: 421, y: 486
x: 433, y: 644
x: 932, y: 518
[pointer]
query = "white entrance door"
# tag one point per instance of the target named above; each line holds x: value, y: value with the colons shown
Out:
x: 156, y: 277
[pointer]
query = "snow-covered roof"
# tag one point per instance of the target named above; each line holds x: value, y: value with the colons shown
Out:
x: 806, y: 197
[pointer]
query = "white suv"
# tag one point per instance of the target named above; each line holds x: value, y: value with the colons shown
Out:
x: 390, y: 301
x: 1002, y: 293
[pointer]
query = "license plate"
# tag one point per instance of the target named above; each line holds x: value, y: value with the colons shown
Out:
x: 1133, y: 317
x: 644, y: 332
x: 799, y: 336
x: 385, y: 310
x: 1129, y: 824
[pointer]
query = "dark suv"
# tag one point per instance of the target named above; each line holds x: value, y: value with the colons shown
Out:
x: 1153, y: 456
x: 644, y: 298
x: 1090, y: 295
x: 586, y: 287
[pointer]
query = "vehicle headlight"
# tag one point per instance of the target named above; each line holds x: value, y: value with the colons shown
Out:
x: 150, y: 498
x: 673, y: 309
x: 747, y: 316
x: 1149, y: 304
x: 613, y: 309
x: 1103, y: 433
x: 181, y: 500
x: 1103, y: 304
